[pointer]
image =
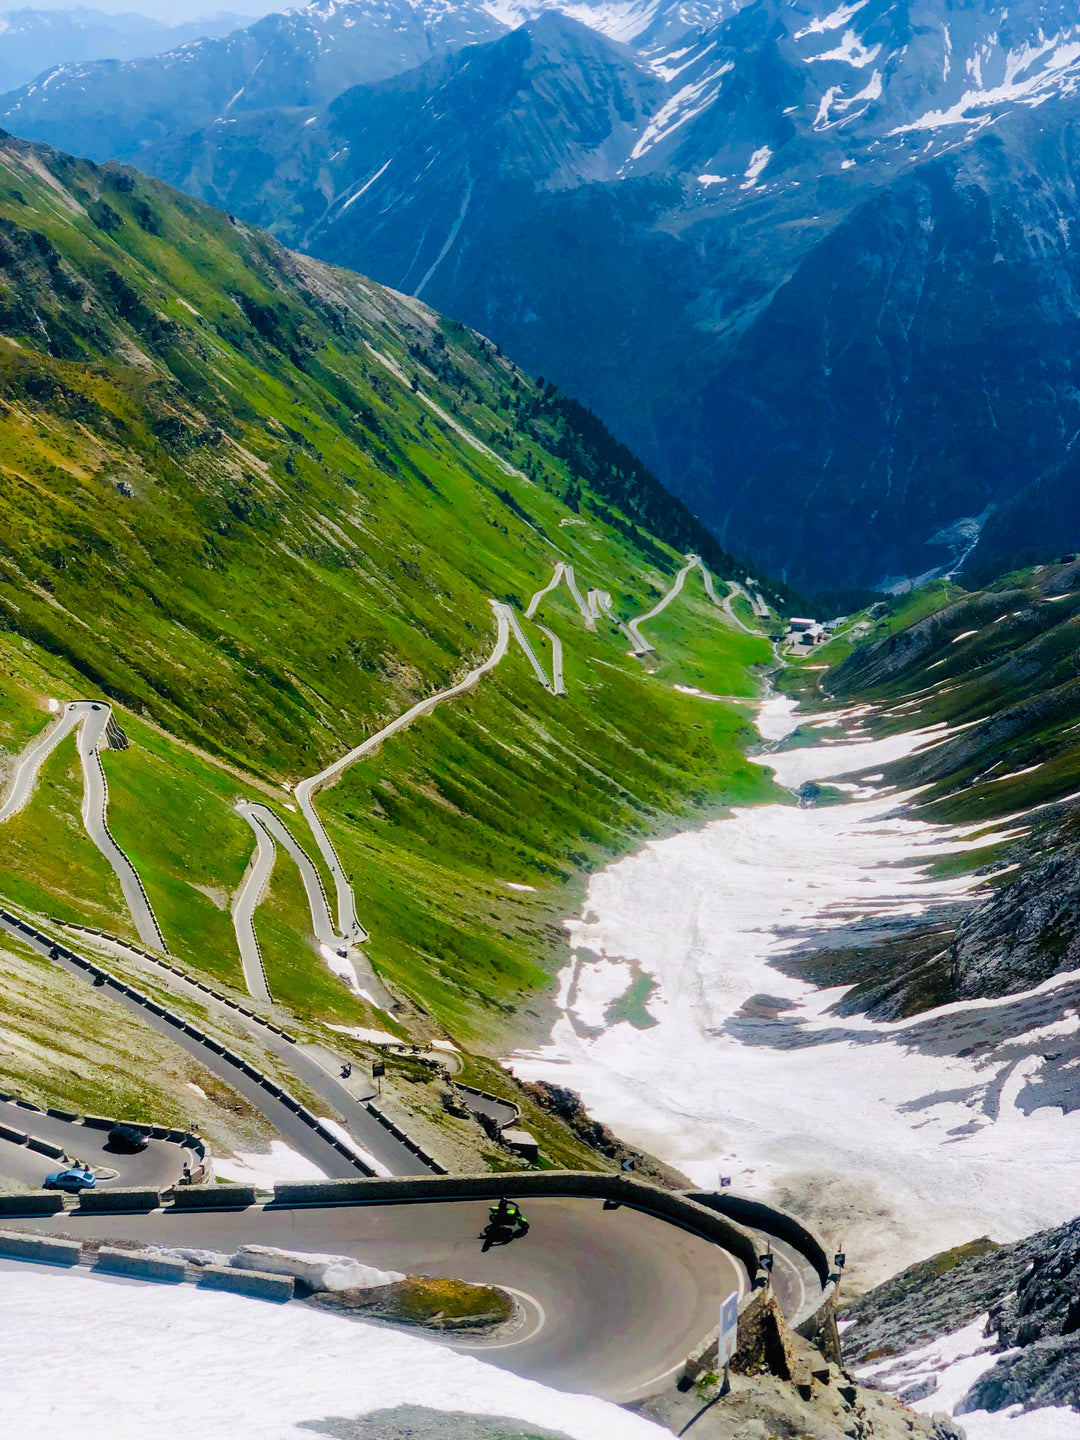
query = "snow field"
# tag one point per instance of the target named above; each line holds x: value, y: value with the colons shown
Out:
x: 896, y: 1139
x: 83, y: 1350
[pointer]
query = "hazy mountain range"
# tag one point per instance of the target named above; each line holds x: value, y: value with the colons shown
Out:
x: 812, y: 263
x: 33, y: 40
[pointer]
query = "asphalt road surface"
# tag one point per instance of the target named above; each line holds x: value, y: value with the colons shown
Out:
x: 615, y: 1300
x: 160, y: 1165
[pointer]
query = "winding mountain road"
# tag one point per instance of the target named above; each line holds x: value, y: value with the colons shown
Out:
x: 644, y: 646
x: 369, y: 1133
x: 615, y: 1299
x: 305, y: 791
x: 91, y: 718
x: 29, y: 763
x: 95, y: 819
x: 564, y: 574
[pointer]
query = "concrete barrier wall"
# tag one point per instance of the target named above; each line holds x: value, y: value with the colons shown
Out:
x: 44, y: 1147
x: 17, y: 1137
x: 247, y: 1282
x: 39, y: 1202
x: 98, y: 1201
x: 16, y: 1246
x: 140, y: 1266
x: 217, y: 1197
x: 524, y: 1185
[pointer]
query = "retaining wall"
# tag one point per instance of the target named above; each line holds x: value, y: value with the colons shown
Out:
x: 140, y: 1266
x: 17, y: 1246
x: 246, y: 1282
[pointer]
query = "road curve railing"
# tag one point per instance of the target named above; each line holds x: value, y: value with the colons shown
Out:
x: 214, y: 1054
x: 613, y: 1189
x: 676, y: 1208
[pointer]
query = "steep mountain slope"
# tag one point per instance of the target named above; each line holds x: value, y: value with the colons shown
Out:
x: 998, y: 671
x: 266, y: 507
x: 756, y: 239
x: 37, y: 40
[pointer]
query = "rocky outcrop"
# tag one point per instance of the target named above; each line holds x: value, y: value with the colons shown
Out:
x: 782, y: 1385
x: 1030, y: 1291
x: 1027, y: 933
x: 417, y: 1422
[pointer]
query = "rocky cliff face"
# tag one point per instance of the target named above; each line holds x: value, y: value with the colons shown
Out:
x: 999, y: 670
x: 1027, y: 1294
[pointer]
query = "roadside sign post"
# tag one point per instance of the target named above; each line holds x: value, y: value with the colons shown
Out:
x: 378, y: 1070
x: 728, y: 1342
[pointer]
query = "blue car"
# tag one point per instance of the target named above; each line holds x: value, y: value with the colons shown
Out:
x: 72, y: 1180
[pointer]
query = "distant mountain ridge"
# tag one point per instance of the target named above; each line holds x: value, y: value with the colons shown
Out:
x: 35, y: 40
x: 753, y: 238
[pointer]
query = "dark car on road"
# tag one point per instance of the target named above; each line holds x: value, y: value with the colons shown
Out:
x: 73, y: 1180
x: 128, y: 1137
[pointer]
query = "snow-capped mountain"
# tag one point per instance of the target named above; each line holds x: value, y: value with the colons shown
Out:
x: 812, y: 261
x: 301, y: 57
x: 35, y: 40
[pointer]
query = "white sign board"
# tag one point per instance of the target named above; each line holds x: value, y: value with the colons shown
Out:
x: 729, y: 1328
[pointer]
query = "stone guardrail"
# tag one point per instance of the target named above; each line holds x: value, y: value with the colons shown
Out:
x: 139, y: 1265
x: 759, y: 1216
x: 399, y: 1134
x: 820, y: 1325
x: 613, y: 1189
x: 57, y: 951
x: 183, y: 974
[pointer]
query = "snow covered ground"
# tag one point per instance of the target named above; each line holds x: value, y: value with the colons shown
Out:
x: 895, y: 1139
x: 283, y: 1164
x: 93, y: 1354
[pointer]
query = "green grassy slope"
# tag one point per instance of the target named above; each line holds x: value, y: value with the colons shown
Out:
x: 238, y: 503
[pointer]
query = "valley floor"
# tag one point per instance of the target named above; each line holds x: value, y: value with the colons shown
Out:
x: 895, y: 1140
